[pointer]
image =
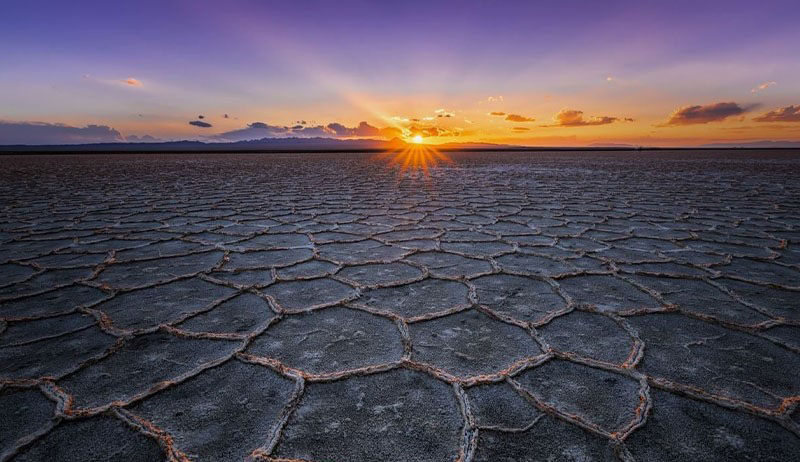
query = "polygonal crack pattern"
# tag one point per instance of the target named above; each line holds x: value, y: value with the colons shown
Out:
x: 203, y: 412
x: 331, y: 307
x: 330, y: 340
x: 470, y: 344
x: 395, y: 416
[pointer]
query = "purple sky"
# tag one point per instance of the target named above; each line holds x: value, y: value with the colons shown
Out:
x: 278, y: 63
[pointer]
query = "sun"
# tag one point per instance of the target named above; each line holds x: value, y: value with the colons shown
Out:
x: 417, y: 139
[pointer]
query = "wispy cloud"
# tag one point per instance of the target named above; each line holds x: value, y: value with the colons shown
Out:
x: 200, y: 123
x: 521, y: 129
x: 132, y: 82
x: 573, y: 118
x: 717, y: 112
x: 47, y: 133
x: 492, y: 99
x: 519, y: 118
x: 442, y: 113
x: 784, y: 114
x: 763, y: 86
x: 495, y: 113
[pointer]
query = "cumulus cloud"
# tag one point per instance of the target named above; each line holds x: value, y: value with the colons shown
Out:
x: 519, y: 118
x: 363, y: 130
x: 200, y: 123
x: 258, y: 130
x: 763, y: 86
x: 47, y: 133
x: 495, y: 113
x: 717, y: 112
x: 573, y: 118
x: 132, y: 82
x: 784, y: 114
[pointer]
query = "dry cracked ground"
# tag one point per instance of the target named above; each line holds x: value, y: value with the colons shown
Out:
x: 337, y: 307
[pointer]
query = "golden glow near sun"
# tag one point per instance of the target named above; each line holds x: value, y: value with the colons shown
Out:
x: 417, y: 139
x: 417, y: 156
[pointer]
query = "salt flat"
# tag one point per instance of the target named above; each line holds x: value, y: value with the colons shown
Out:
x: 363, y: 307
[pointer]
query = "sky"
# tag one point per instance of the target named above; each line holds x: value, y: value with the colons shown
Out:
x: 530, y: 73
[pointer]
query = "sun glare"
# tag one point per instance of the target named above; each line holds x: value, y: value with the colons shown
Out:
x: 417, y: 139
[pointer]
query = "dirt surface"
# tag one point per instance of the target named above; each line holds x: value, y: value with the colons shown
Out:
x: 627, y: 306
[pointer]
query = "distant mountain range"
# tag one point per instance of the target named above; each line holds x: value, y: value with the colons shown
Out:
x: 268, y: 144
x: 333, y: 144
x: 755, y: 144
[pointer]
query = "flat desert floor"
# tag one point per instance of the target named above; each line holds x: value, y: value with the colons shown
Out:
x: 608, y: 306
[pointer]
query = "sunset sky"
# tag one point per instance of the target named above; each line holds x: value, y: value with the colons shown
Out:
x: 529, y: 73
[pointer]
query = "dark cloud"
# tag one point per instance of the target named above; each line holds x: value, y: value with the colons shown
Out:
x: 310, y: 132
x: 717, y: 112
x: 573, y: 118
x: 200, y: 123
x: 225, y: 116
x: 521, y: 129
x: 497, y: 113
x: 363, y: 129
x: 254, y: 131
x: 201, y: 117
x: 258, y: 130
x: 46, y: 133
x: 784, y: 114
x: 519, y: 118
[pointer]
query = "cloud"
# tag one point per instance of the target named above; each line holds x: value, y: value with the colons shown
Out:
x: 494, y: 113
x: 141, y: 139
x: 391, y: 132
x: 492, y: 99
x: 132, y: 82
x: 717, y: 112
x: 784, y: 114
x: 433, y: 131
x: 363, y: 129
x: 258, y: 130
x: 573, y: 118
x: 201, y: 117
x: 519, y: 118
x: 763, y: 86
x: 47, y: 133
x: 200, y: 123
x: 443, y: 113
x: 521, y: 129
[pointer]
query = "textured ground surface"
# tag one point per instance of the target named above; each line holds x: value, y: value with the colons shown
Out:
x: 501, y: 307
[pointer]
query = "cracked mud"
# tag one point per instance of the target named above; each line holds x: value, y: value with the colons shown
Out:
x: 333, y: 307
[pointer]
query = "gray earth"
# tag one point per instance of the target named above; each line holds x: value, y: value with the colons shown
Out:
x: 589, y: 306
